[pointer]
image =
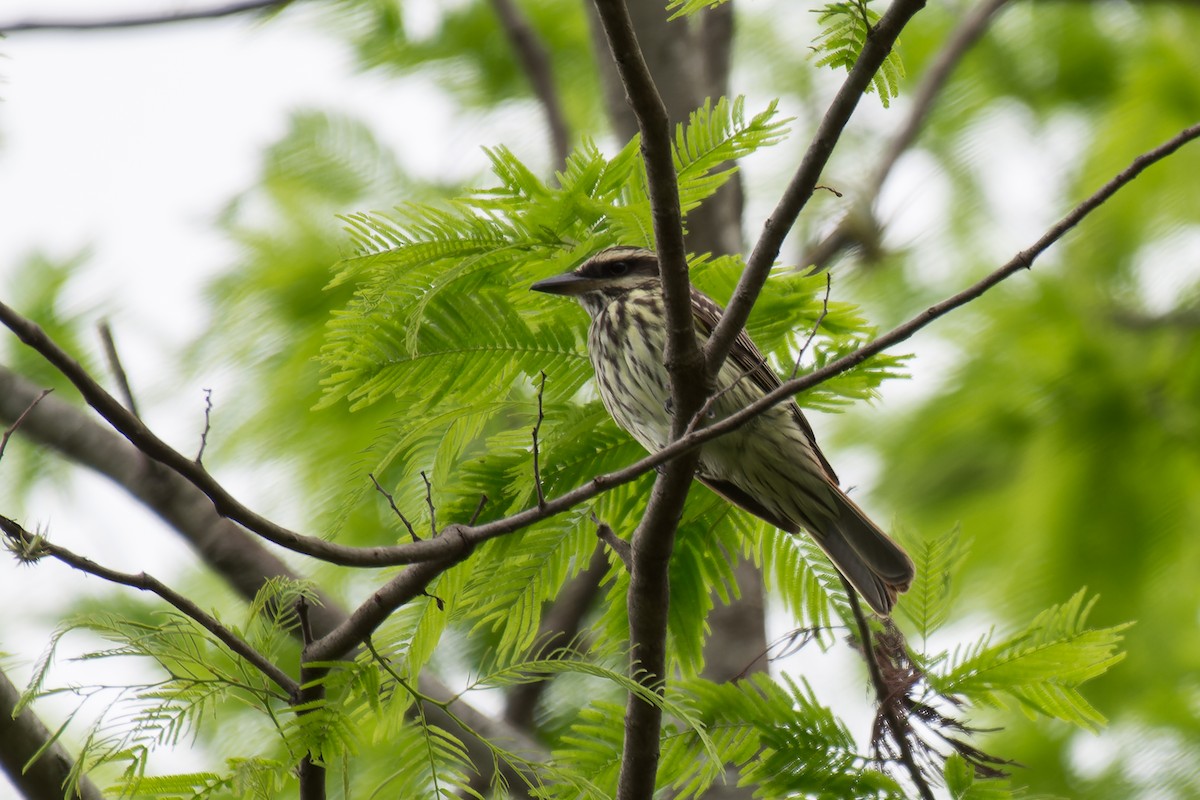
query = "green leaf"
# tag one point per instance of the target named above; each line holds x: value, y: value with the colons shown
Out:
x: 845, y: 31
x: 927, y: 603
x: 1041, y: 667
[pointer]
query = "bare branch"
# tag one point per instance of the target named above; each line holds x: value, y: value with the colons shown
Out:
x: 365, y: 619
x: 619, y: 546
x: 535, y: 60
x: 816, y: 326
x: 11, y: 429
x: 147, y: 583
x: 392, y: 502
x: 537, y: 427
x: 972, y: 27
x: 114, y: 364
x: 454, y: 540
x: 230, y: 10
x: 880, y: 40
x: 429, y: 502
x: 208, y: 407
x: 483, y: 498
x: 654, y: 539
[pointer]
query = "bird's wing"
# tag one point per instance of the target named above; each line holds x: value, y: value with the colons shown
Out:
x: 746, y: 356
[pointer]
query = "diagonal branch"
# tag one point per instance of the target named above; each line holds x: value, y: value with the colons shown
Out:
x: 365, y: 619
x: 31, y: 547
x: 969, y: 31
x: 454, y: 539
x: 225, y: 547
x: 880, y: 40
x: 245, y: 7
x: 535, y: 60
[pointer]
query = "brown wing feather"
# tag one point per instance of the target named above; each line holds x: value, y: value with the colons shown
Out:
x: 748, y: 359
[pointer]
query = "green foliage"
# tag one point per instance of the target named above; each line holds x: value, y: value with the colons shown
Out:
x: 927, y: 603
x: 194, y: 677
x: 461, y: 47
x: 1061, y: 441
x: 686, y: 8
x: 963, y: 785
x: 1041, y: 667
x: 442, y: 325
x: 846, y: 26
x: 780, y: 738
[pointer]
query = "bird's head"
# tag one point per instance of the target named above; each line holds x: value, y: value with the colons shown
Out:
x: 605, y: 276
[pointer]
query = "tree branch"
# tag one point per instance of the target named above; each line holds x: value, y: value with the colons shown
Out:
x: 969, y: 31
x: 878, y: 45
x: 454, y: 539
x: 21, y: 737
x: 224, y: 546
x: 888, y: 706
x: 654, y: 538
x: 32, y: 547
x: 375, y: 609
x: 535, y: 60
x: 114, y: 364
x: 143, y: 21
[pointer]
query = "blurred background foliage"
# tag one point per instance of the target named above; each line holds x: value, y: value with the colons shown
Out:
x: 1055, y: 422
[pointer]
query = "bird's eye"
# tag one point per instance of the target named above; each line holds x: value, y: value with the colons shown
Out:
x: 618, y: 268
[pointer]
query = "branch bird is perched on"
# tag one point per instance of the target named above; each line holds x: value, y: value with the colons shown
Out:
x: 771, y: 466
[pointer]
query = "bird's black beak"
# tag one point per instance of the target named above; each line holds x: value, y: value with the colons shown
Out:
x: 566, y: 284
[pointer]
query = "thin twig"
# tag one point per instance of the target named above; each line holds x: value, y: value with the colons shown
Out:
x: 208, y: 407
x: 784, y: 646
x: 816, y: 326
x: 429, y: 502
x: 238, y: 556
x: 24, y: 539
x: 887, y: 702
x: 11, y: 429
x: 537, y: 427
x: 535, y: 60
x: 114, y: 364
x: 142, y: 21
x: 619, y: 546
x: 483, y: 498
x: 392, y: 502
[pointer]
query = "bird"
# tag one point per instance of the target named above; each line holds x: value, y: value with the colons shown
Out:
x: 771, y: 466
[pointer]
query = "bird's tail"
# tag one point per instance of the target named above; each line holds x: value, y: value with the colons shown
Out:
x: 873, y: 563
